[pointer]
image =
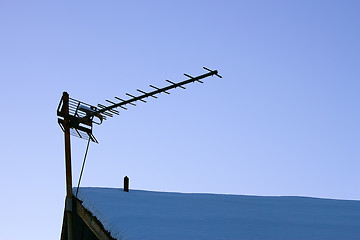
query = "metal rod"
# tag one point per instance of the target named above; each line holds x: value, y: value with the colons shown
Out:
x: 157, y: 91
x: 211, y: 70
x: 192, y: 77
x: 82, y: 168
x: 141, y: 91
x: 106, y: 113
x: 79, y: 135
x: 110, y: 101
x: 114, y: 109
x: 146, y: 93
x: 141, y: 99
x: 175, y: 83
x: 124, y: 100
x: 77, y: 109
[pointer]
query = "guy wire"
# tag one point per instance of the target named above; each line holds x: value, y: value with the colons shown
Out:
x: 82, y: 168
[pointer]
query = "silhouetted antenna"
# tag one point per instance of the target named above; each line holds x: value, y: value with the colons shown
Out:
x: 77, y: 118
x: 81, y: 115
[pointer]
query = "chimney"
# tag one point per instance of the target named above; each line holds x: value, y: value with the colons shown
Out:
x: 126, y: 184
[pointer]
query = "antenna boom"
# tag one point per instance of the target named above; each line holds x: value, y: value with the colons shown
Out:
x: 158, y: 90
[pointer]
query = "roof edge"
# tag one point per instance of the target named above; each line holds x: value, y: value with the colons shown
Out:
x: 92, y: 222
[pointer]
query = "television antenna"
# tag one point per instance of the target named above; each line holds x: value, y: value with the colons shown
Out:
x: 77, y: 118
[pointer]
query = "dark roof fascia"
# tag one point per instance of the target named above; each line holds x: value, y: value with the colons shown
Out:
x: 94, y: 225
x: 92, y: 222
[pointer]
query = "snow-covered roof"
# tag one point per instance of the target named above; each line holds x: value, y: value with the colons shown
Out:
x: 146, y: 215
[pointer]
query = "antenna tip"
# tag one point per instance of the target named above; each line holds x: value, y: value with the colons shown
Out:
x: 217, y: 73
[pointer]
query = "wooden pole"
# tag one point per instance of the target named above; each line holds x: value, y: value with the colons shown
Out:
x: 69, y: 194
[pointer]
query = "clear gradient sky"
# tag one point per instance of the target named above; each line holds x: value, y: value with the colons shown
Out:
x: 283, y: 120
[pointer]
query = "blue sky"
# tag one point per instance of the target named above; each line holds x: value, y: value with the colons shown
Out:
x: 283, y: 120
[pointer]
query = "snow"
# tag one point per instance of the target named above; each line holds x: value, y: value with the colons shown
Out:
x: 147, y: 215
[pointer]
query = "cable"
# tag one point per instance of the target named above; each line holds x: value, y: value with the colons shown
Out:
x: 82, y: 168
